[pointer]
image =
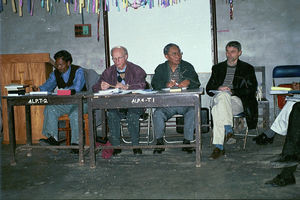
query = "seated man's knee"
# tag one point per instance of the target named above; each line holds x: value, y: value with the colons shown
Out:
x: 223, y: 95
x: 158, y: 113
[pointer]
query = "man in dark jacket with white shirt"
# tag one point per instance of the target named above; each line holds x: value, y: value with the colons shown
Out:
x: 175, y: 72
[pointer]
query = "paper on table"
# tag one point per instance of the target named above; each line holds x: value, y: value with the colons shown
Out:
x: 13, y: 85
x: 279, y: 92
x: 143, y: 91
x: 218, y: 91
x: 109, y: 91
x: 39, y: 93
x: 295, y: 98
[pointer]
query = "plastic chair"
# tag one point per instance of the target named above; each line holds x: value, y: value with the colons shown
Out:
x: 145, y: 121
x: 145, y: 118
x: 284, y: 71
x: 171, y: 123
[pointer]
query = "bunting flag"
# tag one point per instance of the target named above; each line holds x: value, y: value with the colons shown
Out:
x: 51, y: 6
x: 68, y: 8
x: 1, y: 6
x: 32, y: 6
x: 98, y: 27
x: 88, y: 6
x: 231, y: 9
x: 20, y: 8
x: 29, y: 6
x: 48, y: 6
x: 95, y: 5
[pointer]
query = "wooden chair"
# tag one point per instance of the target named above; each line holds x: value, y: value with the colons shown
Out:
x: 67, y: 129
x: 91, y: 77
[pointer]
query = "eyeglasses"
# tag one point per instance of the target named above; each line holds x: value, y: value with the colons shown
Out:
x: 176, y: 54
x: 117, y: 59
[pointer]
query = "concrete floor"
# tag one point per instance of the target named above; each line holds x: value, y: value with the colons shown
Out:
x: 172, y: 175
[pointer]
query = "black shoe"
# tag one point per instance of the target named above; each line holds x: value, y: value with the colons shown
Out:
x: 262, y: 139
x: 49, y: 141
x: 216, y: 153
x: 116, y: 151
x: 187, y: 149
x: 160, y: 141
x: 74, y: 151
x: 137, y: 151
x: 280, y: 181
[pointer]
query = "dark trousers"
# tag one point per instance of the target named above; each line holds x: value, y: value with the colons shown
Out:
x: 132, y: 116
x: 291, y: 145
x: 292, y: 141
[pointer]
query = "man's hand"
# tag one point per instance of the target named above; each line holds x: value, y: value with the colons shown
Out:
x: 172, y: 83
x: 184, y: 83
x: 224, y: 88
x: 121, y: 86
x: 35, y: 88
x: 296, y: 86
x: 104, y: 85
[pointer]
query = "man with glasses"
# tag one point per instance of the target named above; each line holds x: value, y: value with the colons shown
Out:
x: 65, y: 76
x: 174, y: 72
x: 233, y: 86
x: 126, y: 76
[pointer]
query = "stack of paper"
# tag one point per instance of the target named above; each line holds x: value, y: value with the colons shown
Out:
x: 15, y: 89
x: 279, y: 92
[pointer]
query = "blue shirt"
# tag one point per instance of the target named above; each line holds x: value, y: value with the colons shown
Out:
x: 78, y: 81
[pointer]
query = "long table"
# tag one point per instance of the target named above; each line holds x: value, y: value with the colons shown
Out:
x: 34, y: 100
x: 152, y: 100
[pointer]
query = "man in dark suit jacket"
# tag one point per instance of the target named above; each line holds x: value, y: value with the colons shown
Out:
x: 174, y: 72
x: 233, y: 86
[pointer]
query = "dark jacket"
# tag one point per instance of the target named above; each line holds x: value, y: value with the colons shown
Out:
x: 244, y: 86
x: 161, y: 76
x: 134, y: 76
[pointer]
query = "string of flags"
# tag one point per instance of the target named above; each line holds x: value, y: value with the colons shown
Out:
x: 91, y: 6
x: 230, y: 2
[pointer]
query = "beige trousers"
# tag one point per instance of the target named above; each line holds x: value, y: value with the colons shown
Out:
x: 224, y: 106
x: 280, y: 125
